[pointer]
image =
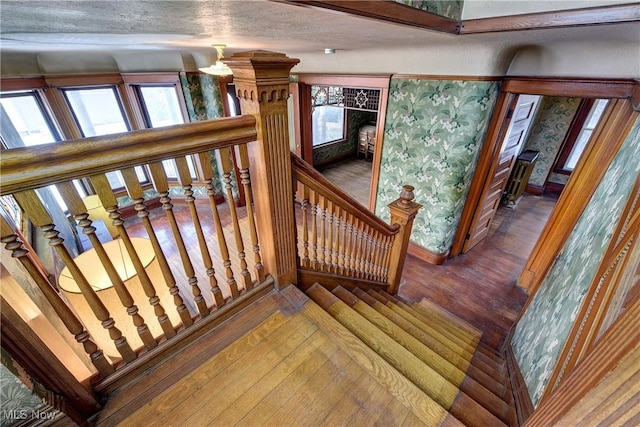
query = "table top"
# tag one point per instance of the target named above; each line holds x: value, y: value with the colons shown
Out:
x: 92, y: 269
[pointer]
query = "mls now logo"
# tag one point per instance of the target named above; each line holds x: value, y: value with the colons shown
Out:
x: 23, y: 414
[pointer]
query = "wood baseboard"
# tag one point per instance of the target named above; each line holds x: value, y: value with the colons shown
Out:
x: 554, y: 187
x: 427, y: 255
x: 534, y: 189
x: 522, y: 400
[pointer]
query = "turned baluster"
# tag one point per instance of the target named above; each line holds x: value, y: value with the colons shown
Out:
x: 348, y: 247
x: 360, y: 238
x: 323, y: 235
x: 245, y: 180
x: 368, y: 253
x: 329, y: 248
x: 314, y: 230
x: 184, y: 177
x: 137, y: 195
x: 37, y: 213
x: 162, y: 187
x: 109, y: 201
x: 305, y: 226
x: 227, y: 169
x: 378, y: 255
x: 207, y: 171
x: 388, y: 241
x: 68, y: 318
x: 342, y: 237
x: 78, y: 210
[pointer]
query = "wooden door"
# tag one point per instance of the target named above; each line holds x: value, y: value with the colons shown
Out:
x: 520, y: 116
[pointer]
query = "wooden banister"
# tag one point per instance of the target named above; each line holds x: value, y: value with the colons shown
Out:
x: 340, y: 242
x: 33, y: 167
x: 311, y: 178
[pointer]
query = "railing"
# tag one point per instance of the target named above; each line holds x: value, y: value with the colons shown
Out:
x: 147, y: 284
x: 340, y: 241
x: 197, y: 271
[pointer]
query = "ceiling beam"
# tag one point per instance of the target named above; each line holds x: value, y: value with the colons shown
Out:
x: 391, y: 11
x: 388, y: 11
x: 556, y: 19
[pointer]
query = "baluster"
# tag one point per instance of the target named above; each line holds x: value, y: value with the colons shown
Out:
x: 162, y: 187
x: 314, y: 230
x: 137, y: 195
x: 366, y: 252
x: 207, y: 171
x: 305, y: 226
x: 348, y: 262
x: 322, y: 248
x: 245, y: 180
x: 329, y: 248
x: 357, y: 248
x: 108, y: 200
x: 362, y: 242
x: 79, y: 212
x: 342, y: 236
x: 184, y: 176
x: 377, y: 261
x: 387, y: 257
x: 227, y: 169
x: 69, y: 319
x: 37, y: 213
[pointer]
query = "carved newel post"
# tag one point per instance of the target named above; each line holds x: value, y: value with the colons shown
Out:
x: 403, y: 211
x: 262, y: 85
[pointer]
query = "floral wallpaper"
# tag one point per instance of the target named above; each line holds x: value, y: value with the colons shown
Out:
x: 551, y: 124
x: 432, y: 137
x: 447, y: 8
x: 543, y: 329
x: 17, y: 400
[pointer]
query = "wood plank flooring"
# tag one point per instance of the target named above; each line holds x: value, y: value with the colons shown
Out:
x: 353, y: 177
x: 292, y: 364
x: 480, y: 286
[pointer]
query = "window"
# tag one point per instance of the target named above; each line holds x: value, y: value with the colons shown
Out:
x: 24, y: 121
x: 587, y: 118
x: 98, y: 111
x: 328, y: 124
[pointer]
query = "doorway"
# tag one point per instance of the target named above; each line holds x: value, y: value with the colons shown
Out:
x: 605, y: 138
x: 338, y: 129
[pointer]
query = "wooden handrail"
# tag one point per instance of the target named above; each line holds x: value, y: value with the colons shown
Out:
x: 33, y: 167
x: 306, y: 174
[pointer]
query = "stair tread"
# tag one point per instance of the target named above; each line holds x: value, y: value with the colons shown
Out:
x: 426, y: 378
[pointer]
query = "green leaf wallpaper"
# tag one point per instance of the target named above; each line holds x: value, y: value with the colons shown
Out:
x: 551, y: 124
x: 543, y: 329
x: 447, y: 8
x: 433, y: 133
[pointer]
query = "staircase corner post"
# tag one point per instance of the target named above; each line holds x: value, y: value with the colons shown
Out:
x: 403, y: 212
x: 262, y: 85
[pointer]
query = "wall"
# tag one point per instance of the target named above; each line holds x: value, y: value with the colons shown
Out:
x: 551, y: 124
x: 448, y: 8
x: 433, y: 133
x: 543, y: 329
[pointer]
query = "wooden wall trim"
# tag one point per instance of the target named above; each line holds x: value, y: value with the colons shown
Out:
x: 388, y: 11
x: 522, y: 399
x: 606, y: 141
x: 572, y: 87
x: 23, y: 83
x: 611, y: 349
x: 446, y: 77
x: 377, y: 81
x: 553, y: 19
x: 426, y: 255
x: 534, y: 189
x: 554, y: 187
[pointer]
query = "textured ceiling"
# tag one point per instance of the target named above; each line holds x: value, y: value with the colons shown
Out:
x: 192, y: 25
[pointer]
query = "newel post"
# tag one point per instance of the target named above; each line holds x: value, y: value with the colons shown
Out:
x: 262, y: 85
x: 403, y: 212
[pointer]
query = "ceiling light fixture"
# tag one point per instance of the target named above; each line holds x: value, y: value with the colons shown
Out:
x: 219, y: 68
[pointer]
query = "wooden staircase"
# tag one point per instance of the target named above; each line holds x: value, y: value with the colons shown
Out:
x: 325, y: 358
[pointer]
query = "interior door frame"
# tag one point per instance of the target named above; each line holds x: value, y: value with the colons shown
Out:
x: 301, y: 97
x: 614, y: 126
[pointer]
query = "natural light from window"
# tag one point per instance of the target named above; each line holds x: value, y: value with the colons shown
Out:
x: 328, y: 124
x: 585, y: 134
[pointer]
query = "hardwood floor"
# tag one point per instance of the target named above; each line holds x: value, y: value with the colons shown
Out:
x: 480, y: 286
x: 353, y: 177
